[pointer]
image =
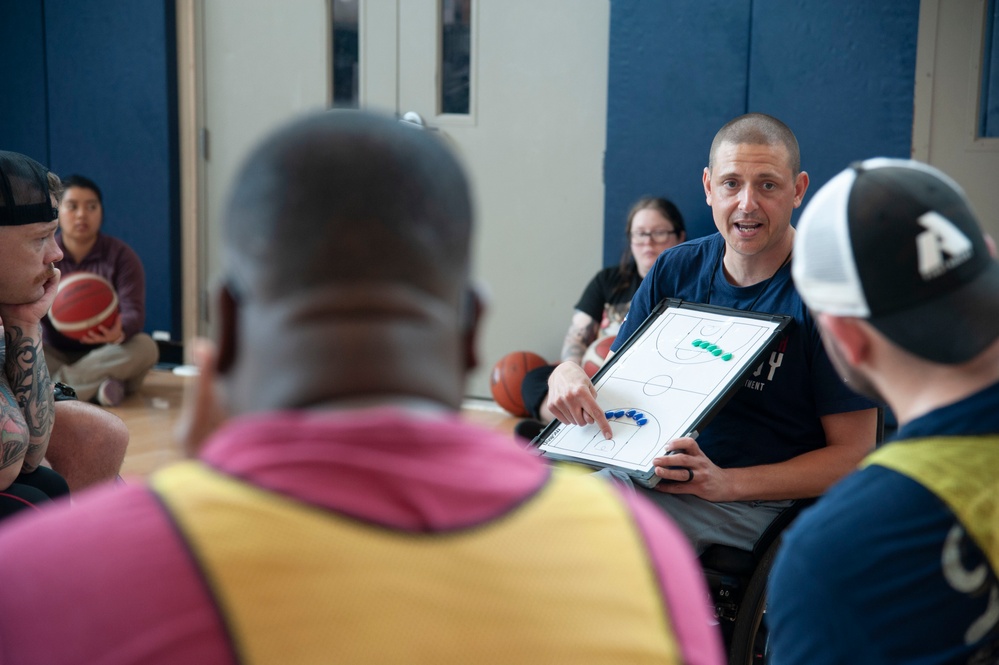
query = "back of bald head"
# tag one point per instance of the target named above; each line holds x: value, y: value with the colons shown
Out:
x: 758, y: 129
x: 346, y: 197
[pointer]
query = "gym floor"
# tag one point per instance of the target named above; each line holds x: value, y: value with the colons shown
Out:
x: 152, y: 413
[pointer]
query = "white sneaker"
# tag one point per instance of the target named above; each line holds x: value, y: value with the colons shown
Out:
x: 111, y: 392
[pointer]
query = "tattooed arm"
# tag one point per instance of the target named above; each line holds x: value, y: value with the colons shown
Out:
x: 26, y: 399
x: 13, y: 432
x: 582, y: 332
x: 29, y: 385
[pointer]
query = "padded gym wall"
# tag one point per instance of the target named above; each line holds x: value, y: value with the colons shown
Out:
x: 841, y: 75
x: 106, y: 109
x: 23, y: 109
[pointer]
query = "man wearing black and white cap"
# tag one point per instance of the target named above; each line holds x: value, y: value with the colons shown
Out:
x: 897, y: 563
x: 82, y: 443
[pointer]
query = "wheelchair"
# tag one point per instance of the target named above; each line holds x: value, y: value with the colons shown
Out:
x: 737, y: 580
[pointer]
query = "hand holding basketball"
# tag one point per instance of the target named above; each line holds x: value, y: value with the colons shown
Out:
x: 596, y: 354
x: 109, y: 334
x: 85, y: 308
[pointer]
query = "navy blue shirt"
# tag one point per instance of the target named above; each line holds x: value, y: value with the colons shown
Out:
x: 776, y: 414
x: 880, y: 570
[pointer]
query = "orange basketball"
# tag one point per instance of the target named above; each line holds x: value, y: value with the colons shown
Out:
x: 596, y: 353
x: 507, y: 375
x: 83, y: 302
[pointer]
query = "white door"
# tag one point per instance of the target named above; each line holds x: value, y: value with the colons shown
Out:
x: 947, y: 94
x: 262, y: 63
x: 533, y: 142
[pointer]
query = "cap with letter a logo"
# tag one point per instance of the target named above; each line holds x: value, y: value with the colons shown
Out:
x: 895, y: 241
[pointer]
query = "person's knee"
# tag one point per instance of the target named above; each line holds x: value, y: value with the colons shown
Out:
x: 105, y: 426
x: 145, y: 350
x: 86, y: 437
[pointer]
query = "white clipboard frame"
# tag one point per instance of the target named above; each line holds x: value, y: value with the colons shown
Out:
x: 675, y: 372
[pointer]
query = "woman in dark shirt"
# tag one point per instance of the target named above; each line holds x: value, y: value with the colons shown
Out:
x: 654, y: 225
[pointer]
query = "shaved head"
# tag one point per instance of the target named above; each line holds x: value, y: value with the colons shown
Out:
x: 344, y: 197
x: 758, y: 129
x: 346, y: 267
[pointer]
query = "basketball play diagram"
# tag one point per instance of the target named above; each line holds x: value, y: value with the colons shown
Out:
x: 662, y: 385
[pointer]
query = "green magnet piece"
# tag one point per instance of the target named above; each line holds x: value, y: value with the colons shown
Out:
x: 712, y: 347
x: 696, y: 342
x: 716, y: 352
x: 727, y: 356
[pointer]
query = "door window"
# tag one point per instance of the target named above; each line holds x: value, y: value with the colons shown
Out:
x: 456, y: 55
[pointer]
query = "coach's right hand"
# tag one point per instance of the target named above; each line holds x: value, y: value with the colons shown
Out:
x: 573, y: 400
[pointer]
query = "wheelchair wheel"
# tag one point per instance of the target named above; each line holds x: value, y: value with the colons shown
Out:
x: 749, y: 635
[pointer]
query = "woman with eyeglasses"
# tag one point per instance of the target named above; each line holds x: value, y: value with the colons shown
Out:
x: 654, y: 225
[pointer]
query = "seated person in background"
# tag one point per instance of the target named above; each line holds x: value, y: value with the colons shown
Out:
x: 335, y: 478
x: 654, y: 225
x: 110, y: 363
x: 88, y: 444
x: 793, y: 428
x: 898, y: 562
x: 27, y: 286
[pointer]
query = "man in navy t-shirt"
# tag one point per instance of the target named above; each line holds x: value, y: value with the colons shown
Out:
x: 794, y: 428
x: 897, y: 563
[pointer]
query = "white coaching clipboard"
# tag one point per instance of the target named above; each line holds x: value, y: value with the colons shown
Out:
x: 670, y: 378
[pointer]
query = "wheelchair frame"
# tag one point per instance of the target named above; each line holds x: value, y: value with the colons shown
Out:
x: 738, y: 581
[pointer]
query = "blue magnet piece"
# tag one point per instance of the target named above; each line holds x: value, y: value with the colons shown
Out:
x: 641, y: 421
x: 619, y: 414
x: 608, y: 414
x: 638, y: 415
x: 630, y: 413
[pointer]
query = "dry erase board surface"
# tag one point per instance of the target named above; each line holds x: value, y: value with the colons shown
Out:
x: 678, y: 368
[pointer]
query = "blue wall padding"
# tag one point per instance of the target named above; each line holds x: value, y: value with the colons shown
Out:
x: 94, y: 92
x: 111, y: 114
x: 23, y: 120
x: 840, y: 74
x: 677, y: 72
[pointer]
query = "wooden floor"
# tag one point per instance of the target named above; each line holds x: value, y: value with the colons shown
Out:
x: 152, y: 413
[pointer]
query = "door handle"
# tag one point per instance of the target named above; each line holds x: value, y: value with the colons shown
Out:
x: 414, y: 118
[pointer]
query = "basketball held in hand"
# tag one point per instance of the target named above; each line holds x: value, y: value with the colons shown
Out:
x: 83, y: 302
x: 596, y: 354
x: 507, y: 375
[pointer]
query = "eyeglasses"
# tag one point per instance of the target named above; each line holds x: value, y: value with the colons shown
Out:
x: 661, y: 235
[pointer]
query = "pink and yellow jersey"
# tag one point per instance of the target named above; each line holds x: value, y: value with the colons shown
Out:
x: 354, y: 536
x: 565, y: 577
